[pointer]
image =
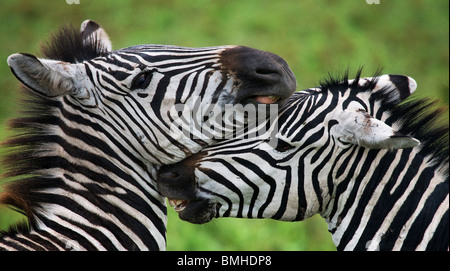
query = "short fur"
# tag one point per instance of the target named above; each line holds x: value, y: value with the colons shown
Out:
x: 21, y: 160
x: 418, y: 117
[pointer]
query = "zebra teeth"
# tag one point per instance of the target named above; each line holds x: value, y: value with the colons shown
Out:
x: 270, y: 99
x: 178, y: 204
x: 274, y: 98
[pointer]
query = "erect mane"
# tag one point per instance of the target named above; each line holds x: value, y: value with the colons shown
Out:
x: 22, y: 162
x: 420, y: 118
x: 341, y: 81
x: 68, y: 44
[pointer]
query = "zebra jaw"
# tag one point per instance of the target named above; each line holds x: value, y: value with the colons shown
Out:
x: 178, y: 204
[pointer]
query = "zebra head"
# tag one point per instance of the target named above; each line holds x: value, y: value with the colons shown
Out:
x: 252, y: 179
x: 131, y: 92
x: 97, y: 124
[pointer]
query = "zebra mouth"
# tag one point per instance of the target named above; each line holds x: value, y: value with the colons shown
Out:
x: 268, y: 99
x: 178, y: 204
x: 197, y: 211
x: 178, y: 185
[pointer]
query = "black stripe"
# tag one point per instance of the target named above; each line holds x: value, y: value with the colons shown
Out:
x: 72, y: 235
x: 99, y: 126
x: 302, y: 203
x: 401, y: 83
x: 216, y: 176
x: 440, y: 239
x: 427, y: 212
x: 155, y: 59
x: 117, y: 90
x: 255, y: 188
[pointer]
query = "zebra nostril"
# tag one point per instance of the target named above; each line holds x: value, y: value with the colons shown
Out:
x: 266, y: 71
x: 267, y: 74
x: 260, y: 73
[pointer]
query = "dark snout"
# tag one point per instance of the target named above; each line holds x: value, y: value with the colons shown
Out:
x: 260, y: 74
x: 177, y: 182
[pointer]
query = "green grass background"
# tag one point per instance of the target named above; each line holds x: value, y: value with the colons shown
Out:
x: 314, y: 36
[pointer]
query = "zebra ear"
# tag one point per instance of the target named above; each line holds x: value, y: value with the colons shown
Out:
x: 396, y: 87
x: 92, y: 32
x: 359, y: 128
x: 49, y: 78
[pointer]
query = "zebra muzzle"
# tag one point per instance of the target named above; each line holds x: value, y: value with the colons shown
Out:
x: 177, y: 182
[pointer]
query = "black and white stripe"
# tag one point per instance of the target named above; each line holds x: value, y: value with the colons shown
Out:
x: 97, y: 125
x: 373, y: 187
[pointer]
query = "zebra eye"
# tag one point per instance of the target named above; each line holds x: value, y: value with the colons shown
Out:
x: 283, y: 146
x: 142, y: 80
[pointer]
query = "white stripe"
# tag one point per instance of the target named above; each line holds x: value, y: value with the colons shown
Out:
x: 392, y: 214
x: 437, y: 218
x: 144, y: 220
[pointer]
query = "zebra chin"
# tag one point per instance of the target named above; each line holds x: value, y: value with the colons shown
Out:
x: 178, y: 184
x: 199, y: 211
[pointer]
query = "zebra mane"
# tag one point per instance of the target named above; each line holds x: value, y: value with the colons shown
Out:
x: 21, y: 161
x: 68, y: 44
x: 424, y: 120
x: 420, y: 118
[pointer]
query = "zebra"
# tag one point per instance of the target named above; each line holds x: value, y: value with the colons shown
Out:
x: 82, y: 165
x: 373, y: 165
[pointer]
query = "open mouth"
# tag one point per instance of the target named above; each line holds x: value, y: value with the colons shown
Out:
x: 269, y: 99
x: 178, y: 204
x: 198, y: 211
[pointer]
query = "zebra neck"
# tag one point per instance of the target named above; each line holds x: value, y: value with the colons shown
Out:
x: 108, y: 195
x: 92, y: 211
x: 86, y: 192
x: 378, y: 203
x: 76, y: 178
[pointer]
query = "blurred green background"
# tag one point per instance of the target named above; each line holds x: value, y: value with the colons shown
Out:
x: 314, y: 36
